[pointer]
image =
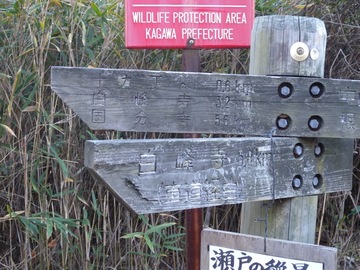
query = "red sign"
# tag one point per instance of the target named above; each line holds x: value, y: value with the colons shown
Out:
x: 161, y: 24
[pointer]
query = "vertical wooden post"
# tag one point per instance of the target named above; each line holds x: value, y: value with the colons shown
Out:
x: 193, y: 217
x: 291, y: 46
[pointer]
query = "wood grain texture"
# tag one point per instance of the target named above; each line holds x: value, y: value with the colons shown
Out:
x: 175, y: 174
x: 178, y: 102
x: 272, y: 39
x: 274, y: 247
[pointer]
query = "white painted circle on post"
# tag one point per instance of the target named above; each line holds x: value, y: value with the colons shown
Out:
x: 299, y: 51
x: 314, y: 54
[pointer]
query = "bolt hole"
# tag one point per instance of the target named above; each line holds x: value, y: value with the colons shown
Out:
x: 298, y: 150
x: 283, y: 121
x: 319, y: 150
x: 285, y: 90
x: 317, y: 181
x: 315, y: 122
x: 317, y: 90
x: 297, y: 182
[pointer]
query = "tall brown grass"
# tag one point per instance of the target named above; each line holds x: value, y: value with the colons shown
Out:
x: 53, y: 214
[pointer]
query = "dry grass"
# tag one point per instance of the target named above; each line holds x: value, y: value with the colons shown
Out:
x: 53, y: 215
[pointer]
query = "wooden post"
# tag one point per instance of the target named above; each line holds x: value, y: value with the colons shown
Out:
x: 291, y: 46
x: 193, y: 217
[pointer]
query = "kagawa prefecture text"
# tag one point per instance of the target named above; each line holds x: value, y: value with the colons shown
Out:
x: 156, y: 23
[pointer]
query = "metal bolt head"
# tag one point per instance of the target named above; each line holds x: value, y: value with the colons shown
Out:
x: 299, y: 51
x: 285, y: 91
x: 297, y: 182
x: 298, y: 150
x: 315, y: 90
x: 314, y: 124
x: 282, y: 123
x: 319, y: 149
x: 191, y: 42
x: 317, y: 181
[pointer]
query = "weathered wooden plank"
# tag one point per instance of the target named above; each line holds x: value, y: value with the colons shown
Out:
x: 138, y: 100
x: 169, y: 174
x: 274, y: 247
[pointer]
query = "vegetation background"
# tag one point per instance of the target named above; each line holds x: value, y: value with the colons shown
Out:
x: 53, y: 214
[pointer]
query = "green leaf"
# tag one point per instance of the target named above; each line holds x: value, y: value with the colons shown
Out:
x: 49, y: 229
x: 149, y: 243
x: 132, y: 235
x: 355, y: 210
x: 160, y: 227
x: 3, y: 75
x: 61, y: 163
x: 170, y: 247
x: 96, y: 9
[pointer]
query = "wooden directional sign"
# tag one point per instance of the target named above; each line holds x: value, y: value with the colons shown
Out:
x: 175, y: 174
x: 227, y: 250
x: 138, y: 100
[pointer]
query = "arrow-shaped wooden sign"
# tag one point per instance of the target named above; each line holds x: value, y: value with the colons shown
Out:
x: 175, y: 174
x: 178, y: 102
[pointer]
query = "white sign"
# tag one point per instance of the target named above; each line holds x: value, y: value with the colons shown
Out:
x: 222, y: 250
x: 223, y: 258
